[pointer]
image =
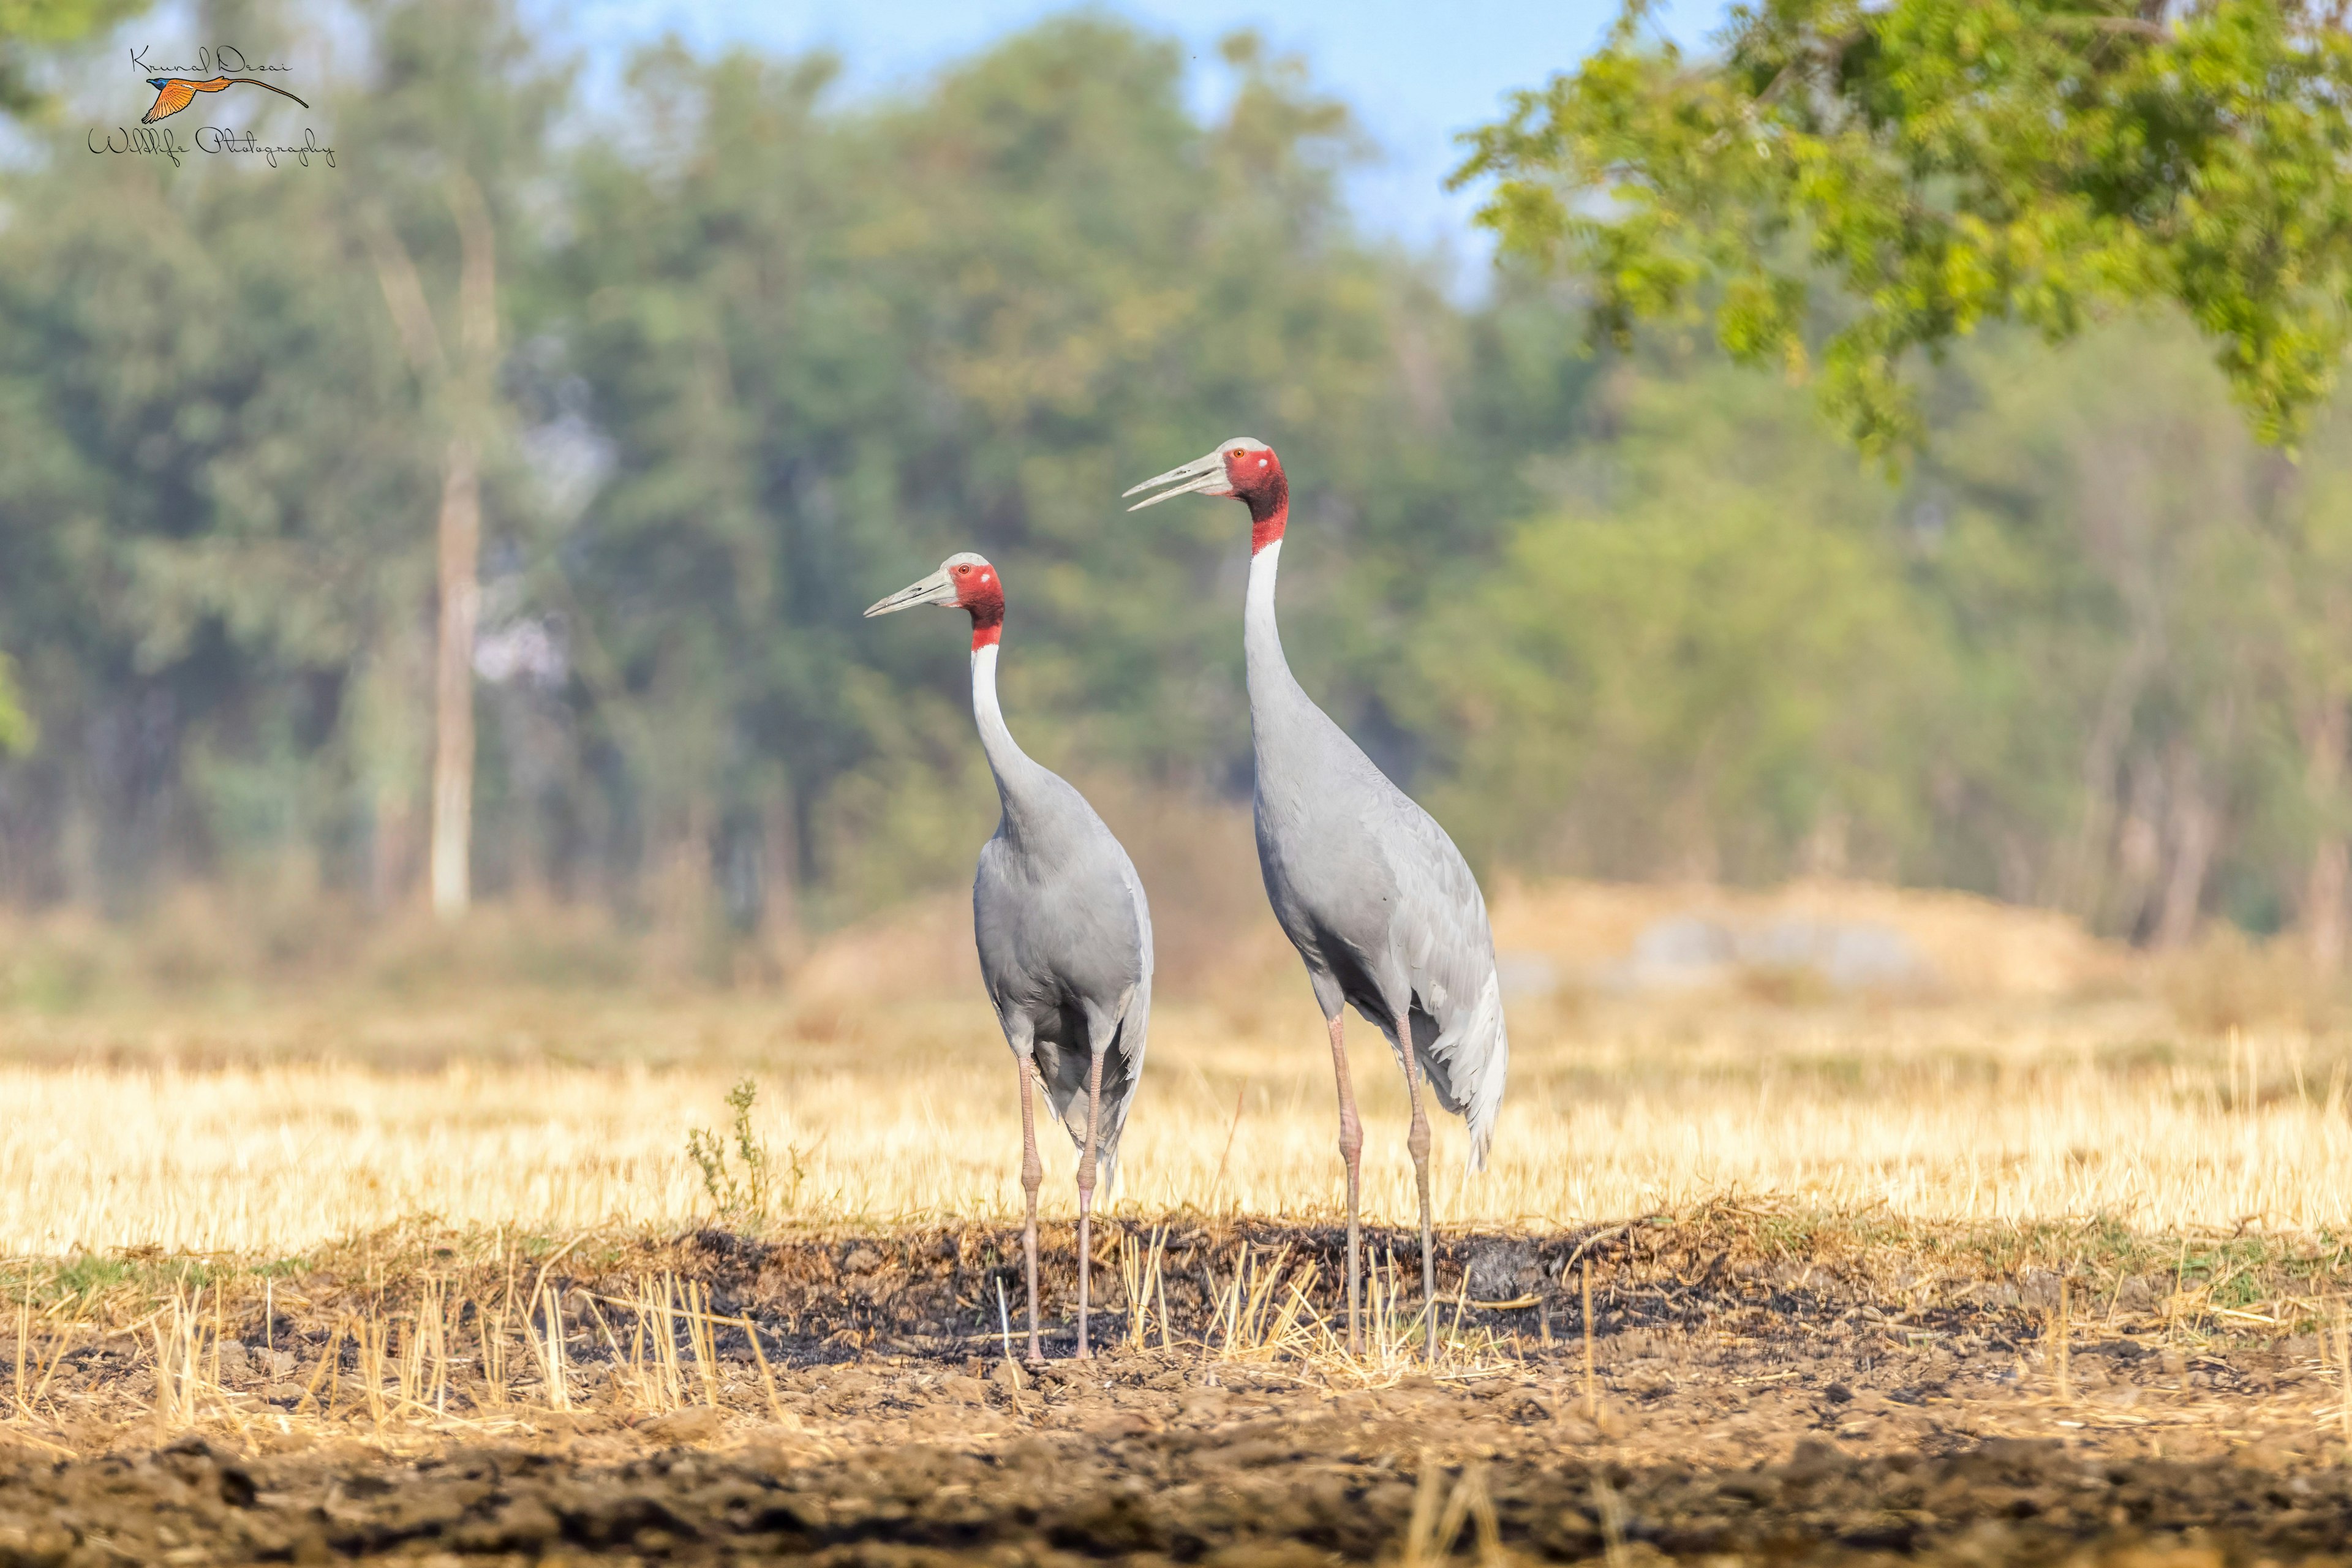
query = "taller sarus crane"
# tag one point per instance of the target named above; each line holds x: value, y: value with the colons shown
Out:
x: 1377, y: 899
x: 1064, y: 935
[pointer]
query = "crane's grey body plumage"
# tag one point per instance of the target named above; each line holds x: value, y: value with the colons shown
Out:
x: 1380, y: 903
x: 1377, y: 899
x: 1064, y: 939
x: 1063, y: 934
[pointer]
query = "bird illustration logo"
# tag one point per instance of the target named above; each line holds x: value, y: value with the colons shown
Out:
x: 175, y: 93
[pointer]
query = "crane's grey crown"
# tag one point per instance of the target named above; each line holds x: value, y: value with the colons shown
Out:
x: 938, y: 588
x: 1204, y: 476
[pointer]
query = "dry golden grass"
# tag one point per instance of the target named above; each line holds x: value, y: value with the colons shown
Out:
x: 440, y: 1214
x: 1929, y: 1113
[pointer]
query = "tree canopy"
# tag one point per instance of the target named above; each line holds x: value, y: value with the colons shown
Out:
x: 1853, y: 181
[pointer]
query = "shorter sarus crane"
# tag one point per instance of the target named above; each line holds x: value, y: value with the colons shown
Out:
x: 1064, y: 932
x: 1377, y: 899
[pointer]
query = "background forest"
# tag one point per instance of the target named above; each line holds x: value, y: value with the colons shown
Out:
x: 725, y: 359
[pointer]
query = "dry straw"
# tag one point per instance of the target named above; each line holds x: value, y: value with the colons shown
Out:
x: 2059, y: 1335
x: 1140, y: 1274
x: 2344, y: 1377
x: 1436, y: 1526
x: 1927, y: 1116
x: 442, y: 1365
x: 1591, y: 1384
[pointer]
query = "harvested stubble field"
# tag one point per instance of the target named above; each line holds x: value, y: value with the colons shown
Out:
x: 1761, y: 1385
x: 2013, y: 1278
x: 308, y: 1130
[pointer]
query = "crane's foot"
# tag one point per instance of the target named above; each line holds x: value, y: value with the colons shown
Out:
x: 1417, y: 1140
x: 1086, y: 1256
x: 1351, y: 1151
x: 1416, y: 1143
x: 1036, y: 1356
x: 1032, y: 1176
x: 1428, y: 1278
x: 1428, y: 1247
x: 1355, y: 1267
x: 1087, y: 1172
x: 1355, y: 1286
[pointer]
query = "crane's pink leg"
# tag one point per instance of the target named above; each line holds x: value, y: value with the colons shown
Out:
x: 1416, y: 1143
x: 1086, y: 1198
x: 1351, y: 1149
x: 1033, y: 1174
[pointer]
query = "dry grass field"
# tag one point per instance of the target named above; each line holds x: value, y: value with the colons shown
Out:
x: 910, y: 1117
x: 291, y: 1258
x: 2027, y: 1076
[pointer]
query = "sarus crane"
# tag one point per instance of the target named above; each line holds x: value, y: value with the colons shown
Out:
x: 1064, y: 932
x: 1377, y: 899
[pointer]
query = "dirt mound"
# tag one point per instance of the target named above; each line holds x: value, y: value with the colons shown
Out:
x: 1850, y: 935
x: 1211, y: 927
x: 1216, y: 938
x: 919, y: 952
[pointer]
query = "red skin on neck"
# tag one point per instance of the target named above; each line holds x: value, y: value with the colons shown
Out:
x: 1264, y: 490
x: 982, y: 593
x: 1266, y: 528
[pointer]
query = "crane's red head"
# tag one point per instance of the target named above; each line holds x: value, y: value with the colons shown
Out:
x: 1243, y: 468
x: 964, y: 582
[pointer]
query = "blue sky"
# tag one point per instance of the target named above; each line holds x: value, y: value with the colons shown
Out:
x: 1416, y: 74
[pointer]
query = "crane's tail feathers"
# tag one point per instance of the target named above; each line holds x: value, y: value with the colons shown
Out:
x: 1487, y: 1095
x: 1467, y: 1066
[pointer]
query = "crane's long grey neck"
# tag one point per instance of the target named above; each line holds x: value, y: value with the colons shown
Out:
x: 1016, y: 775
x: 1269, y: 671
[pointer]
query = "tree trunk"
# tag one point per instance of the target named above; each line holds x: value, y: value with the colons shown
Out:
x: 2196, y: 832
x: 452, y: 687
x: 780, y: 846
x: 2080, y: 879
x: 2131, y: 898
x: 2324, y: 884
x: 464, y: 394
x: 2119, y: 533
x: 391, y: 847
x: 1823, y: 855
x: 2322, y: 904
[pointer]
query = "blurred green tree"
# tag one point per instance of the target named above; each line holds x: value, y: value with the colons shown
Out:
x: 452, y: 160
x: 32, y: 28
x: 1705, y: 659
x: 16, y: 730
x: 2098, y: 569
x: 733, y: 358
x: 827, y: 350
x: 1950, y: 162
x: 203, y: 441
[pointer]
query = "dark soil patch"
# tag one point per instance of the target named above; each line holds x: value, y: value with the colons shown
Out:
x: 1298, y: 1492
x: 1798, y: 1396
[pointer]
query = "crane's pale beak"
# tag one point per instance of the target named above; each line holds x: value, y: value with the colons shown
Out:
x: 935, y: 589
x: 1205, y: 476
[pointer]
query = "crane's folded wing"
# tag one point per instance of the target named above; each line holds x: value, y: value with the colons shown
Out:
x: 1449, y: 952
